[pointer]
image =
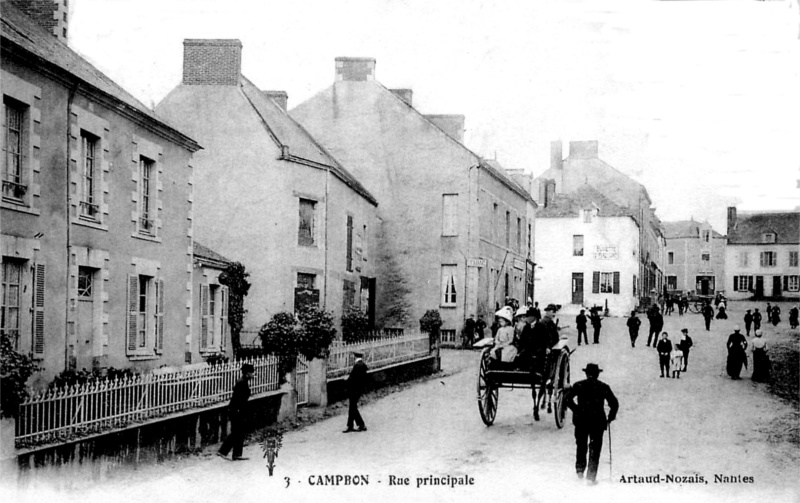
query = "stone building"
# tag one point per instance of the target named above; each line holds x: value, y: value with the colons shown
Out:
x: 695, y: 257
x: 583, y: 166
x: 761, y: 258
x: 96, y: 211
x: 267, y: 193
x: 454, y: 226
x: 587, y: 246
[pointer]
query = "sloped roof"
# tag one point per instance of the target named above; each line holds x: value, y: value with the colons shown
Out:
x: 586, y: 196
x: 685, y: 229
x: 499, y: 171
x: 287, y: 132
x: 209, y: 256
x: 751, y: 226
x: 21, y: 31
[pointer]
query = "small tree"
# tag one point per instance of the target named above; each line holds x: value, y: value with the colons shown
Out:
x: 431, y: 322
x: 15, y: 369
x: 316, y: 332
x: 355, y: 325
x: 279, y: 338
x: 235, y: 278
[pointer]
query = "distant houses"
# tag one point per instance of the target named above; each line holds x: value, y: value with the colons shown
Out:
x: 695, y: 258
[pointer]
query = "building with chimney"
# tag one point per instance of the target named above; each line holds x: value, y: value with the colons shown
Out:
x: 96, y: 209
x: 695, y: 257
x: 761, y: 256
x: 584, y: 167
x: 454, y: 226
x: 267, y: 194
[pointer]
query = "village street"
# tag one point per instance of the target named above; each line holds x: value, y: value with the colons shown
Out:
x: 703, y: 424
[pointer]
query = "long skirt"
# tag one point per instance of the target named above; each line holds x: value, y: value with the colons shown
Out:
x: 761, y: 366
x: 735, y: 361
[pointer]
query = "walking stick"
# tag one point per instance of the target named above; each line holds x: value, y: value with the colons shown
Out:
x: 609, y: 453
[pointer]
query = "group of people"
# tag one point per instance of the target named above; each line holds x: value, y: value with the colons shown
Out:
x: 670, y: 301
x: 656, y: 322
x: 737, y: 356
x: 581, y: 324
x: 674, y: 356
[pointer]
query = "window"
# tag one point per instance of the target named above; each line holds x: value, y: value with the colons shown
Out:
x: 743, y: 259
x: 88, y: 206
x: 793, y: 258
x: 349, y: 260
x: 606, y: 282
x: 495, y: 222
x: 672, y: 282
x: 742, y: 283
x: 519, y: 235
x: 146, y: 183
x: 214, y: 317
x: 448, y: 335
x: 449, y: 285
x: 792, y: 283
x: 9, y: 309
x: 768, y: 237
x: 305, y: 233
x: 306, y: 294
x: 85, y: 282
x: 529, y: 239
x: 705, y: 257
x: 706, y: 236
x: 13, y: 175
x: 587, y: 216
x: 769, y: 259
x: 577, y: 245
x: 145, y: 315
x: 142, y: 309
x: 348, y: 294
x: 449, y: 214
x: 508, y: 229
x: 670, y: 258
x: 305, y: 280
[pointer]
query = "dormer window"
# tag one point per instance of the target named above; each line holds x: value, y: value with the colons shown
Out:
x: 768, y: 237
x: 587, y: 216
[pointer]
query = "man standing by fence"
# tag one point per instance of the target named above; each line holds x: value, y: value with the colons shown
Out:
x: 236, y: 414
x: 356, y: 383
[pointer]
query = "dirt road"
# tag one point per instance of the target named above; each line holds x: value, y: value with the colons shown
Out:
x: 702, y: 425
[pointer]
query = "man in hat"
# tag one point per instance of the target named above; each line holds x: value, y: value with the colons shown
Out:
x: 685, y: 344
x: 589, y: 418
x: 236, y: 414
x: 748, y: 322
x: 356, y: 383
x: 756, y: 320
x: 633, y: 328
x: 597, y: 324
x: 580, y: 324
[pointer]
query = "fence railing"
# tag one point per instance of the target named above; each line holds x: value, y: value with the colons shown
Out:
x: 378, y: 353
x: 59, y: 415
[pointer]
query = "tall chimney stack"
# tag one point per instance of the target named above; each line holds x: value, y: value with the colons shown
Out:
x: 212, y: 62
x: 279, y: 97
x: 453, y: 125
x: 49, y: 14
x: 556, y: 155
x: 731, y: 220
x: 355, y: 69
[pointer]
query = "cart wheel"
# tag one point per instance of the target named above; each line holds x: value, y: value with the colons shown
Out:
x: 562, y: 381
x: 487, y: 394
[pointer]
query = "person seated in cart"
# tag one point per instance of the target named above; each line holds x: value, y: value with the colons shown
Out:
x: 504, y: 349
x: 545, y: 336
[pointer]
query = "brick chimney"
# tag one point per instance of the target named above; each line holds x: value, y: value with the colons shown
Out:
x: 731, y: 220
x: 279, y: 97
x: 355, y: 69
x: 583, y: 149
x: 453, y: 125
x: 49, y: 14
x: 556, y: 155
x: 403, y: 94
x: 212, y: 62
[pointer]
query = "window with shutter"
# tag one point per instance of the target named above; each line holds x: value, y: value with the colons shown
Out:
x: 596, y: 282
x: 349, y: 243
x: 616, y: 282
x: 38, y: 310
x: 223, y: 323
x: 133, y: 312
x: 159, y: 347
x: 204, y: 316
x: 736, y: 283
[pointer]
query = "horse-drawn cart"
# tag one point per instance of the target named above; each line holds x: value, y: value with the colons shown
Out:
x: 493, y: 375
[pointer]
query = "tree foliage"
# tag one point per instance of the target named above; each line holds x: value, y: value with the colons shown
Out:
x: 235, y: 278
x: 431, y: 322
x: 309, y: 334
x: 355, y: 325
x: 15, y: 369
x: 316, y: 332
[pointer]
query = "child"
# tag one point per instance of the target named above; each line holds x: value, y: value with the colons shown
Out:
x: 676, y: 361
x: 504, y: 349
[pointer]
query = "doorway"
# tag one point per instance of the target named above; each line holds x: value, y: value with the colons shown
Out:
x: 759, y: 286
x: 705, y: 285
x: 776, y: 286
x: 84, y: 329
x: 577, y: 288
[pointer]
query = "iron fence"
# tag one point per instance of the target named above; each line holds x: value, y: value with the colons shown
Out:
x: 378, y: 353
x: 61, y: 414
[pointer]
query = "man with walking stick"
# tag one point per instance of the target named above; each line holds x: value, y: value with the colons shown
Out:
x: 589, y: 418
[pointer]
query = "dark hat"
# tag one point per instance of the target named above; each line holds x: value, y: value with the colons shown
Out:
x: 685, y: 330
x: 550, y: 307
x: 246, y: 367
x: 358, y: 354
x: 592, y: 368
x: 530, y: 312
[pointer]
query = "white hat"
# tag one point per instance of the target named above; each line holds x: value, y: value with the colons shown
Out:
x: 523, y: 311
x: 736, y: 328
x: 505, y: 313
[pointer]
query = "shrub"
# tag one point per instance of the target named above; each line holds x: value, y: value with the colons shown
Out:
x: 316, y: 332
x: 15, y: 369
x: 355, y: 325
x: 279, y: 338
x: 430, y: 322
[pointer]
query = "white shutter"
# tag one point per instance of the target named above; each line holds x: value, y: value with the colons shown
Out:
x: 159, y: 316
x: 38, y: 310
x: 133, y: 313
x: 204, y: 321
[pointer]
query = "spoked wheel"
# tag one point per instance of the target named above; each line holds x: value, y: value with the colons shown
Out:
x: 487, y: 393
x: 562, y: 382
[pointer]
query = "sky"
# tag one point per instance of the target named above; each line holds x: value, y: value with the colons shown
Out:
x: 697, y: 100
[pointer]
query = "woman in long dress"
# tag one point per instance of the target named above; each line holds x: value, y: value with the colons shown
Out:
x: 761, y: 363
x: 737, y: 356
